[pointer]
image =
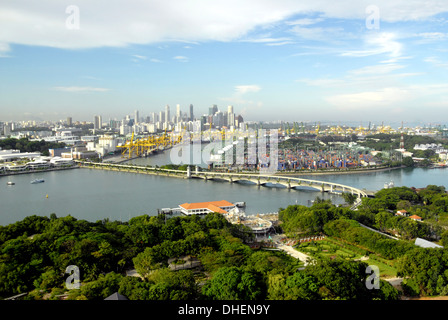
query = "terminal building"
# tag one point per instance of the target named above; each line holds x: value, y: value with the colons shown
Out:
x: 221, y: 206
x: 257, y: 225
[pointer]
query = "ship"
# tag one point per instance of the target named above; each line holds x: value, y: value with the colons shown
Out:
x: 37, y: 181
x: 10, y: 183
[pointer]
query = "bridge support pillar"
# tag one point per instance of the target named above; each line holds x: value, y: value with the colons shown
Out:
x: 188, y: 172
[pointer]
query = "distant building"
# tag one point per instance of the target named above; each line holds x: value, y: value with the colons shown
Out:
x: 415, y: 217
x: 402, y: 213
x: 191, y: 113
x: 167, y: 114
x: 97, y: 122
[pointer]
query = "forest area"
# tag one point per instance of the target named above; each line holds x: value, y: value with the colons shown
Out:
x: 425, y: 270
x: 35, y: 252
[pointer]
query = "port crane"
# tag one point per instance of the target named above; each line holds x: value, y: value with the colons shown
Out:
x: 143, y: 146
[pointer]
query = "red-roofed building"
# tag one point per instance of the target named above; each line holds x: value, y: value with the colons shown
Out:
x: 415, y: 217
x: 221, y: 206
x: 403, y: 213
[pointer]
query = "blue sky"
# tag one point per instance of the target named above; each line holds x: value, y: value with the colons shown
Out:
x: 271, y: 60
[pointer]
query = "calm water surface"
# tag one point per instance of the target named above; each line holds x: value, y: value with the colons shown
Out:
x: 96, y: 194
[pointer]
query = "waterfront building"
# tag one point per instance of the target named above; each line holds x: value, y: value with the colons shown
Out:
x: 58, y: 161
x: 16, y: 154
x: 221, y: 206
x: 38, y: 164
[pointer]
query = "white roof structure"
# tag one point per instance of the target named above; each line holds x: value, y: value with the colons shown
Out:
x: 426, y: 244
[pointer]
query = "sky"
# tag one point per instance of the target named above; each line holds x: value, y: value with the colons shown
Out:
x: 336, y: 61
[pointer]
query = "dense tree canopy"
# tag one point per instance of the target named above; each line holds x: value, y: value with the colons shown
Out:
x: 25, y: 145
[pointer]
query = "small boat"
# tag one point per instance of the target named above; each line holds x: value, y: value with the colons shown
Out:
x: 10, y: 183
x: 38, y: 181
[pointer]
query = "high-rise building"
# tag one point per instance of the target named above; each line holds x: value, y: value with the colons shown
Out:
x: 212, y: 110
x: 69, y: 121
x: 167, y: 114
x: 178, y: 114
x: 136, y: 117
x: 154, y: 117
x: 191, y: 113
x: 162, y: 116
x: 230, y: 116
x: 97, y: 122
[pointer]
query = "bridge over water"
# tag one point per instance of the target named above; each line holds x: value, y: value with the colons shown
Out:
x: 258, y: 179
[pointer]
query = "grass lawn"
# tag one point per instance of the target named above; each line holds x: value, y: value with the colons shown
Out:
x: 331, y: 247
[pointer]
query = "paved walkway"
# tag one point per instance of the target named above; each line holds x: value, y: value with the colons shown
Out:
x: 290, y: 250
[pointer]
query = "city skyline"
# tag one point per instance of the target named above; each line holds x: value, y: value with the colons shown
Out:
x: 282, y: 60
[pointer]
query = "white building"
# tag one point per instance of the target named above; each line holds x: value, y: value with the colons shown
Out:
x: 221, y: 206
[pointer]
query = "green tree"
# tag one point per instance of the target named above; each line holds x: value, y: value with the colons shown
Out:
x: 408, y: 161
x: 232, y: 283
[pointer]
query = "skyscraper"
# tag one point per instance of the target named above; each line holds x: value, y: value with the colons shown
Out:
x: 230, y: 116
x: 162, y: 116
x: 69, y: 121
x: 97, y: 122
x: 167, y: 114
x: 212, y: 110
x: 178, y: 114
x: 136, y: 117
x: 191, y: 113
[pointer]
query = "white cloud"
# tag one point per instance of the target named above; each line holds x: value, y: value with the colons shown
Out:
x: 4, y: 50
x: 237, y: 98
x: 269, y: 41
x: 119, y: 24
x: 247, y: 88
x: 385, y: 97
x: 80, y: 89
x: 181, y: 58
x: 320, y: 33
x: 139, y: 57
x: 376, y: 69
x: 304, y: 21
x: 436, y: 62
x: 376, y: 44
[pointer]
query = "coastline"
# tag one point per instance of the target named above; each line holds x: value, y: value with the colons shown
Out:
x: 13, y: 173
x: 354, y: 171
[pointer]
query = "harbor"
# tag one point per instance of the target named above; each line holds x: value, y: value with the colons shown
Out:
x: 99, y: 194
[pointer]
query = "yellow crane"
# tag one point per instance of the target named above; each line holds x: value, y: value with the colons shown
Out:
x: 148, y: 144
